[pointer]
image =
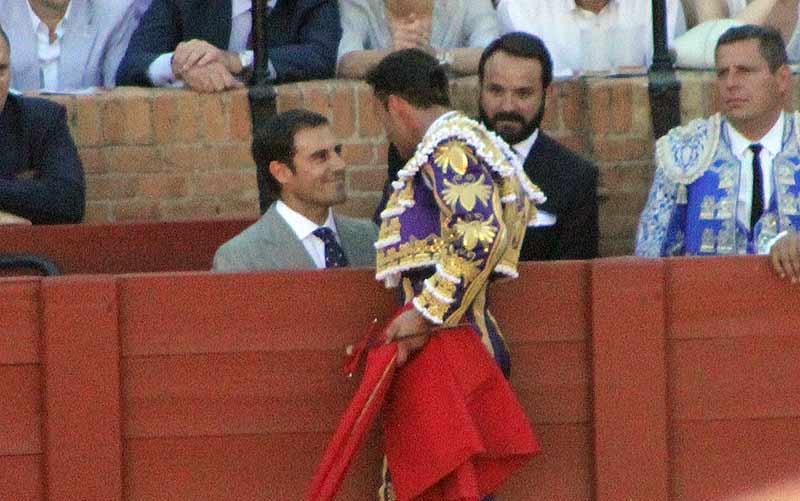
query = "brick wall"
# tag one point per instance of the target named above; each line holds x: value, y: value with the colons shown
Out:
x: 162, y: 154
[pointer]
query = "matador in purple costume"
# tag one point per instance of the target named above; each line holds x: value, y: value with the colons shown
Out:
x: 458, y: 213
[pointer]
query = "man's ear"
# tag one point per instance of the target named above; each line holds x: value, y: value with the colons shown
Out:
x: 280, y: 171
x: 398, y: 108
x: 784, y: 74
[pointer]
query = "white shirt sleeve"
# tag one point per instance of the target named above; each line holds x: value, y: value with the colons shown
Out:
x: 160, y: 72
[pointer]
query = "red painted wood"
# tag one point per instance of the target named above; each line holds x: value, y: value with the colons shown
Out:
x: 20, y: 410
x: 19, y: 321
x: 83, y: 449
x: 744, y: 377
x: 276, y: 466
x: 630, y: 405
x: 124, y: 247
x: 277, y: 311
x: 21, y: 478
x: 552, y: 381
x: 736, y: 459
x: 239, y: 393
x: 562, y: 471
x: 556, y: 305
x: 729, y: 297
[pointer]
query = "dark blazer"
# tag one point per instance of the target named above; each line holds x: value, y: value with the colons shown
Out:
x: 570, y: 184
x: 303, y: 36
x: 41, y: 176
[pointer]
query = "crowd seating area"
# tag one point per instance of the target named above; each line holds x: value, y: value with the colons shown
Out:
x: 161, y: 154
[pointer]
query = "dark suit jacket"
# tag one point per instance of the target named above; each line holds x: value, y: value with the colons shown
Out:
x: 570, y: 184
x: 303, y: 36
x: 41, y: 176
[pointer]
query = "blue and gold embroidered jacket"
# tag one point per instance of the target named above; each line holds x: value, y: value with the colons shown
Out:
x: 691, y: 209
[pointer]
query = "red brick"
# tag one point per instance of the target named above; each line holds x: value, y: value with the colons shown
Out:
x: 360, y: 205
x: 227, y: 183
x: 621, y: 108
x: 369, y: 180
x: 550, y: 120
x: 343, y: 114
x: 136, y: 210
x: 616, y: 247
x: 86, y: 123
x: 97, y: 212
x: 239, y: 116
x: 571, y: 104
x: 576, y: 143
x: 289, y: 97
x: 381, y: 153
x: 127, y: 120
x: 110, y: 187
x: 464, y: 94
x: 620, y: 150
x: 161, y: 186
x: 618, y: 226
x: 129, y: 159
x: 190, y: 158
x: 316, y: 97
x: 175, y: 117
x: 213, y: 118
x: 369, y: 119
x: 599, y: 107
x: 93, y: 160
x: 244, y: 208
x: 188, y: 209
x: 357, y: 154
x: 235, y: 156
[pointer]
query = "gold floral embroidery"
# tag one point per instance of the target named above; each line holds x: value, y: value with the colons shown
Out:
x: 474, y: 232
x: 409, y: 254
x: 458, y: 267
x: 430, y: 303
x: 389, y: 229
x: 467, y: 194
x: 452, y: 155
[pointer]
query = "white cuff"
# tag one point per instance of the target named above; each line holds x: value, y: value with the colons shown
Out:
x: 160, y: 71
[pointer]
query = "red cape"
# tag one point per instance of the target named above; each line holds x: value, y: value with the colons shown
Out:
x: 453, y: 428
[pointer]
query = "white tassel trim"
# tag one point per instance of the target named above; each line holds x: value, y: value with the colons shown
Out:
x: 506, y: 270
x: 425, y: 313
x: 438, y: 295
x: 450, y: 278
x: 386, y: 242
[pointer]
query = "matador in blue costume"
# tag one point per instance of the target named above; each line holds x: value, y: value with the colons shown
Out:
x: 458, y: 212
x: 730, y: 184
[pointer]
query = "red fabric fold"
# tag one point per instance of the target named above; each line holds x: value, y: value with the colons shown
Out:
x: 453, y: 428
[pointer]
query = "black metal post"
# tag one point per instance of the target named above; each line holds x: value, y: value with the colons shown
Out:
x: 261, y: 94
x: 664, y: 87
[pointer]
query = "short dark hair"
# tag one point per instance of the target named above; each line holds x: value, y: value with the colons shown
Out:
x: 5, y: 37
x: 520, y: 44
x: 770, y: 42
x: 274, y: 140
x: 413, y: 75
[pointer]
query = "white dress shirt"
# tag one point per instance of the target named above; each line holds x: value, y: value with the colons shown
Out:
x: 579, y: 40
x: 160, y: 70
x: 772, y: 144
x: 523, y: 149
x: 304, y: 229
x: 48, y: 53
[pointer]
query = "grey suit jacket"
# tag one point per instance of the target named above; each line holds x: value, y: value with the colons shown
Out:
x: 96, y: 34
x: 271, y: 244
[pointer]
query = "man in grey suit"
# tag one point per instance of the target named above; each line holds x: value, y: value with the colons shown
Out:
x: 299, y: 166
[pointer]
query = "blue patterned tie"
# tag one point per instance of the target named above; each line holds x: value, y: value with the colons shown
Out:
x: 334, y: 255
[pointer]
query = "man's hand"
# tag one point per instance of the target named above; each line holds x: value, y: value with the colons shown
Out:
x: 785, y: 257
x: 197, y: 53
x: 411, y: 331
x: 412, y: 33
x: 213, y: 77
x: 8, y: 218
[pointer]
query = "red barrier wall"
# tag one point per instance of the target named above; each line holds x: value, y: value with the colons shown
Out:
x: 659, y: 379
x: 124, y: 247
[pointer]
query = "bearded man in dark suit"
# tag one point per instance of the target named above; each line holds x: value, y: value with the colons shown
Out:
x: 515, y: 71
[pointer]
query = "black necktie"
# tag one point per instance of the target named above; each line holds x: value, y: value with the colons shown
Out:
x: 251, y: 38
x: 757, y: 207
x: 334, y: 255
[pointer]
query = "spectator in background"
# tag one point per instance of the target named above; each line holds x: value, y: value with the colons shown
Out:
x: 455, y: 31
x: 299, y: 164
x: 66, y: 44
x: 730, y: 184
x: 41, y: 177
x: 206, y: 45
x: 591, y: 35
x: 515, y: 72
x: 695, y: 48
